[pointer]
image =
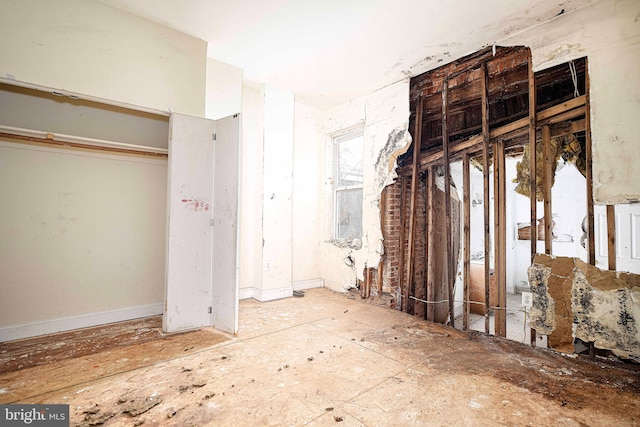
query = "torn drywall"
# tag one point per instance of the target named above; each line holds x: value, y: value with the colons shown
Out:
x: 572, y: 299
x: 606, y: 309
x: 543, y: 311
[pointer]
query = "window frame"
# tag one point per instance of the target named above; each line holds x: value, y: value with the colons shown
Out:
x: 337, y: 139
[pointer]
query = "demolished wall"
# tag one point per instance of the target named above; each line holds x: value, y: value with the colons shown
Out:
x: 572, y: 299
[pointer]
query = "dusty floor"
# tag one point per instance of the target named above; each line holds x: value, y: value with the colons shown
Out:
x: 326, y: 359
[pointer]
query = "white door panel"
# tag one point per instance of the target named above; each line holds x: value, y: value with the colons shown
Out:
x: 225, y: 229
x: 190, y: 200
x: 627, y: 237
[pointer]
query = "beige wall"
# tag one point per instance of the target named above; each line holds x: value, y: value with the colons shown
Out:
x: 92, y: 49
x: 82, y: 238
x: 224, y: 90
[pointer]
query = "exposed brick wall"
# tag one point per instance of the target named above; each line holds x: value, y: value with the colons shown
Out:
x: 395, y: 249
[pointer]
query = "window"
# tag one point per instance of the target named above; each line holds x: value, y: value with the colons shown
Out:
x: 348, y: 152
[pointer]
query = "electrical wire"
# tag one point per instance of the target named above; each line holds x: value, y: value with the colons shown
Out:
x: 574, y: 77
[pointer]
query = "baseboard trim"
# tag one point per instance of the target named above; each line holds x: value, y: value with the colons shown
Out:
x: 300, y: 285
x: 28, y: 330
x: 245, y: 293
x: 271, y: 294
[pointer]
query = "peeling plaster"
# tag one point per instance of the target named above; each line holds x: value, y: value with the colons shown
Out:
x: 604, y: 305
x: 607, y: 34
x: 543, y: 310
x: 384, y: 114
x: 606, y: 317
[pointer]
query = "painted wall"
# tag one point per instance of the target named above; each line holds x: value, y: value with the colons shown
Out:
x: 307, y: 194
x: 224, y: 90
x: 42, y: 111
x: 277, y: 168
x: 384, y: 114
x: 608, y: 33
x: 92, y: 49
x: 250, y: 215
x: 82, y: 238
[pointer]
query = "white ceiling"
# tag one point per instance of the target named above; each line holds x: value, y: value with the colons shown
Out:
x: 330, y: 51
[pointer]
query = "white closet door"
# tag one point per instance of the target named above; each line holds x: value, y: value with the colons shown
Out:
x: 225, y: 225
x: 189, y: 241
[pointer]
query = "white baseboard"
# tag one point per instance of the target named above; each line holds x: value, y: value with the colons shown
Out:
x: 300, y: 285
x: 245, y: 293
x: 27, y: 330
x: 271, y: 294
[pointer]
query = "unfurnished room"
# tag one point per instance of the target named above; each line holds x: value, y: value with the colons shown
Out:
x: 354, y: 213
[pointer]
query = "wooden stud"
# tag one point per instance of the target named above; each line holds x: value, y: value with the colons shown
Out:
x: 546, y: 185
x: 532, y: 166
x: 447, y: 201
x: 412, y: 207
x: 380, y: 278
x: 514, y: 129
x: 431, y: 233
x: 499, y: 204
x: 486, y: 202
x: 466, y: 256
x: 611, y: 236
x: 591, y: 245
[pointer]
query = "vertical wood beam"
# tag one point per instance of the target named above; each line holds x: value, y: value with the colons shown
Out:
x: 532, y: 166
x: 532, y: 157
x: 546, y: 185
x: 486, y: 202
x: 591, y: 245
x: 447, y: 200
x: 403, y: 220
x: 431, y: 240
x: 611, y: 236
x: 412, y: 206
x: 500, y: 216
x: 380, y: 277
x: 466, y: 255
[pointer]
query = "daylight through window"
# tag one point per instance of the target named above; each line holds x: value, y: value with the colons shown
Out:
x: 348, y: 186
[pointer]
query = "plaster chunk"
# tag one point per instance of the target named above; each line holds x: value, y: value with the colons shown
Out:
x: 543, y: 311
x: 572, y: 299
x: 607, y: 317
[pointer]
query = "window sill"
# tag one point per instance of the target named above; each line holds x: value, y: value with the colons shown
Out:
x: 347, y: 243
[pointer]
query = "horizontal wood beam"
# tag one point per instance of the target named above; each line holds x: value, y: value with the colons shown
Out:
x: 553, y: 115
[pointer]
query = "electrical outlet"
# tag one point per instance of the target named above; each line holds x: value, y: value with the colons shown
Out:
x: 527, y: 299
x: 267, y: 265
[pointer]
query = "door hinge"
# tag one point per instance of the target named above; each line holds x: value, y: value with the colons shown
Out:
x: 211, y: 222
x: 213, y: 136
x: 210, y: 310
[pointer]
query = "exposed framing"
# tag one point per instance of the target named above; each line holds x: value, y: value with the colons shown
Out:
x: 540, y: 125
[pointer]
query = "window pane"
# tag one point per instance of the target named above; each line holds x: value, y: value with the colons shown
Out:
x: 350, y: 162
x: 349, y: 214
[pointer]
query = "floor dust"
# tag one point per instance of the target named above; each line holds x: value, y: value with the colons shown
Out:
x: 326, y: 359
